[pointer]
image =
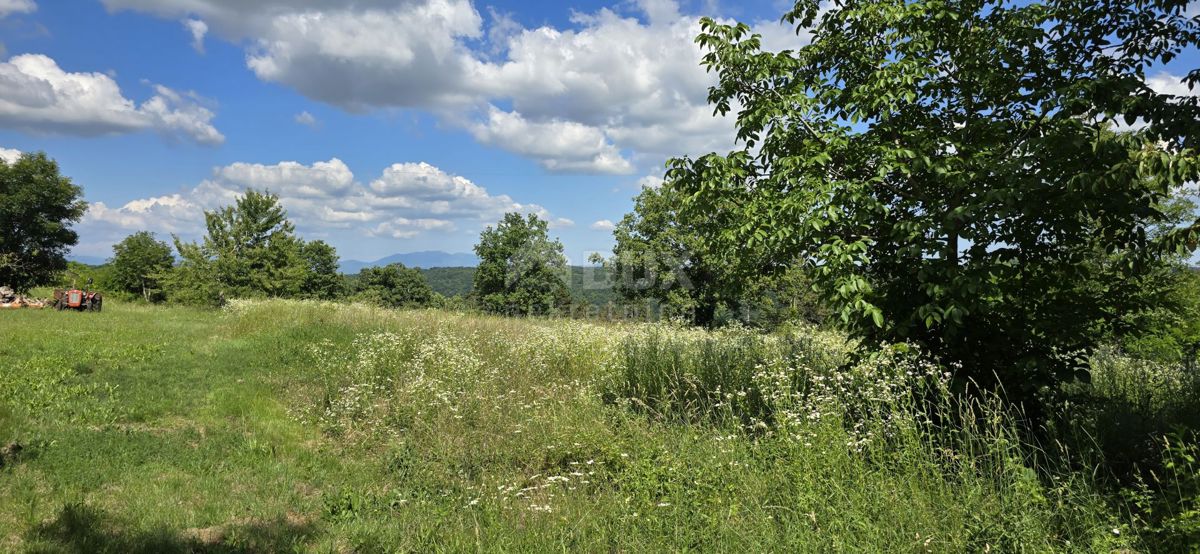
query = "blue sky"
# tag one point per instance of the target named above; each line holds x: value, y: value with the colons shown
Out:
x: 385, y: 125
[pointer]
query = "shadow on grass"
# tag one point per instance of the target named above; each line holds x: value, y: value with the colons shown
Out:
x: 84, y: 529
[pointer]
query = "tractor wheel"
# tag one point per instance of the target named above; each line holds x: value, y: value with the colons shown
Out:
x: 60, y: 305
x: 98, y: 303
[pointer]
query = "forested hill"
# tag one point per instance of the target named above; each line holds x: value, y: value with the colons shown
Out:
x: 425, y: 259
x: 589, y: 284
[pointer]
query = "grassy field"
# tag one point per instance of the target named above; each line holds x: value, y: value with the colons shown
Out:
x: 287, y: 426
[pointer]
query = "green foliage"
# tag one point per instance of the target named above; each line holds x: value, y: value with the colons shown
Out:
x: 661, y: 255
x: 450, y: 281
x: 520, y: 269
x: 50, y: 387
x: 76, y: 275
x: 322, y: 279
x: 721, y: 377
x: 588, y: 284
x: 776, y: 300
x: 193, y: 281
x: 592, y: 285
x: 1168, y: 502
x: 37, y: 207
x: 254, y: 248
x: 251, y: 250
x: 949, y: 169
x: 393, y: 286
x: 139, y: 262
x: 1129, y: 407
x: 1167, y: 327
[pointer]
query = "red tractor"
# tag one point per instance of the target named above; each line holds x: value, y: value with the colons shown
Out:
x: 79, y: 300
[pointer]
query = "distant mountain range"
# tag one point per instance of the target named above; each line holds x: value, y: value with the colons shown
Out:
x: 424, y: 260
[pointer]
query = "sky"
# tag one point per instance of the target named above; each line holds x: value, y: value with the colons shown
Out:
x: 384, y: 126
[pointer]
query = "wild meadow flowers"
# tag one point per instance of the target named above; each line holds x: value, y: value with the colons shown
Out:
x: 555, y: 423
x: 423, y: 430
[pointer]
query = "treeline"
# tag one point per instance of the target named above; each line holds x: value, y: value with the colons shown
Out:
x: 587, y: 284
x: 251, y: 250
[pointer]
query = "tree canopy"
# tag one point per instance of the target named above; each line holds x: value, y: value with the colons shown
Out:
x: 394, y: 286
x: 38, y: 205
x: 322, y: 278
x: 949, y: 168
x: 520, y: 269
x: 251, y: 250
x: 661, y: 255
x: 138, y: 264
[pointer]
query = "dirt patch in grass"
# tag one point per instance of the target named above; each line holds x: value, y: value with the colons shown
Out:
x: 252, y: 531
x: 9, y: 454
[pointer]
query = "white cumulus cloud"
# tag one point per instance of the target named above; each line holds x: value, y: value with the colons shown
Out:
x: 422, y: 190
x: 164, y: 214
x: 617, y: 89
x: 408, y: 56
x: 406, y: 200
x: 1166, y: 83
x: 650, y: 182
x: 9, y: 7
x: 38, y: 96
x: 404, y: 228
x: 560, y: 146
x: 604, y: 225
x: 331, y: 179
x: 9, y: 155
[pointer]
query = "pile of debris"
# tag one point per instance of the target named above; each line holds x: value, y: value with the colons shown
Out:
x: 10, y: 300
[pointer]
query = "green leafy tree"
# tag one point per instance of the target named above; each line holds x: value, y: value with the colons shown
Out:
x: 251, y: 249
x: 776, y: 299
x: 520, y: 269
x: 661, y: 255
x: 1156, y: 312
x: 193, y: 281
x: 394, y: 286
x: 38, y: 205
x: 949, y: 168
x: 1165, y: 325
x: 322, y: 278
x: 138, y: 263
x: 77, y: 275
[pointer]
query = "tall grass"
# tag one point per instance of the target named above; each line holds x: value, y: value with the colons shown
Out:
x: 693, y: 376
x: 1137, y: 426
x: 1121, y: 467
x: 275, y: 426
